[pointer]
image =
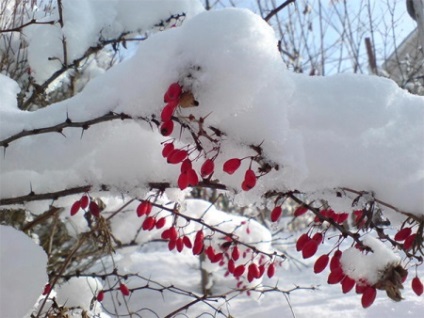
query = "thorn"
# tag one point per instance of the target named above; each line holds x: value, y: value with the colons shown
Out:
x: 68, y: 120
x: 60, y: 131
x: 30, y: 188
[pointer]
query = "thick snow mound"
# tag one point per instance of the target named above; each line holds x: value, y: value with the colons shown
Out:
x: 22, y: 272
x: 360, y: 132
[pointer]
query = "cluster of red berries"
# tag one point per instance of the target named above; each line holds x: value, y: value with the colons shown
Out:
x: 86, y: 204
x: 254, y: 270
x: 122, y: 288
x: 339, y: 218
x: 172, y: 99
x: 406, y: 236
x: 188, y: 176
x: 250, y: 178
x: 227, y: 256
x: 150, y: 222
x: 337, y: 276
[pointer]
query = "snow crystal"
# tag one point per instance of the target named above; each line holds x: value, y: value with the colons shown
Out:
x: 23, y: 272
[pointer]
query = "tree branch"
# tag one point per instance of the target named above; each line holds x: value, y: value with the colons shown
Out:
x: 278, y: 9
x: 19, y: 28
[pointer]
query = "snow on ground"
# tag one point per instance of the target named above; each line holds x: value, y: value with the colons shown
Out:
x: 155, y: 262
x: 22, y: 272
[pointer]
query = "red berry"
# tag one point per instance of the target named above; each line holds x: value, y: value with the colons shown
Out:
x: 231, y: 266
x: 168, y: 111
x: 359, y: 289
x: 199, y: 236
x: 183, y: 181
x: 335, y: 261
x: 368, y: 296
x: 417, y: 286
x: 409, y: 241
x: 149, y: 223
x: 124, y: 289
x: 75, y: 207
x: 166, y: 128
x: 84, y: 201
x: 192, y: 178
x: 47, y: 289
x: 217, y: 258
x: 144, y: 208
x: 271, y: 270
x: 403, y: 234
x: 100, y: 295
x: 335, y: 276
x: 207, y: 168
x: 231, y: 165
x: 309, y: 249
x: 173, y: 233
x: 167, y: 149
x: 239, y: 270
x: 300, y: 210
x: 249, y: 179
x: 347, y: 284
x: 235, y: 254
x: 342, y: 217
x: 165, y: 234
x: 330, y: 214
x: 301, y: 241
x: 94, y: 209
x: 198, y: 243
x: 210, y: 253
x: 358, y: 217
x: 160, y: 223
x: 180, y: 244
x: 318, y: 237
x: 186, y: 165
x: 321, y: 263
x: 173, y: 93
x: 244, y: 186
x: 187, y: 242
x: 176, y: 156
x: 198, y: 248
x: 253, y: 270
x: 276, y: 213
x: 172, y: 244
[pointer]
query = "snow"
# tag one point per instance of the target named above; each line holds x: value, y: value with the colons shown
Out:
x: 79, y: 292
x: 326, y: 132
x: 369, y: 267
x: 8, y: 91
x: 361, y: 132
x: 85, y: 21
x: 22, y: 272
x: 155, y: 265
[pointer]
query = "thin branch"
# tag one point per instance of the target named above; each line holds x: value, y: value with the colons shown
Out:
x: 66, y: 124
x: 387, y: 205
x: 19, y: 28
x: 161, y: 186
x: 278, y: 9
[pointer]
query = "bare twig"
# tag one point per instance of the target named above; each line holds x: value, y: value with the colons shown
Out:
x: 278, y: 9
x: 21, y: 27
